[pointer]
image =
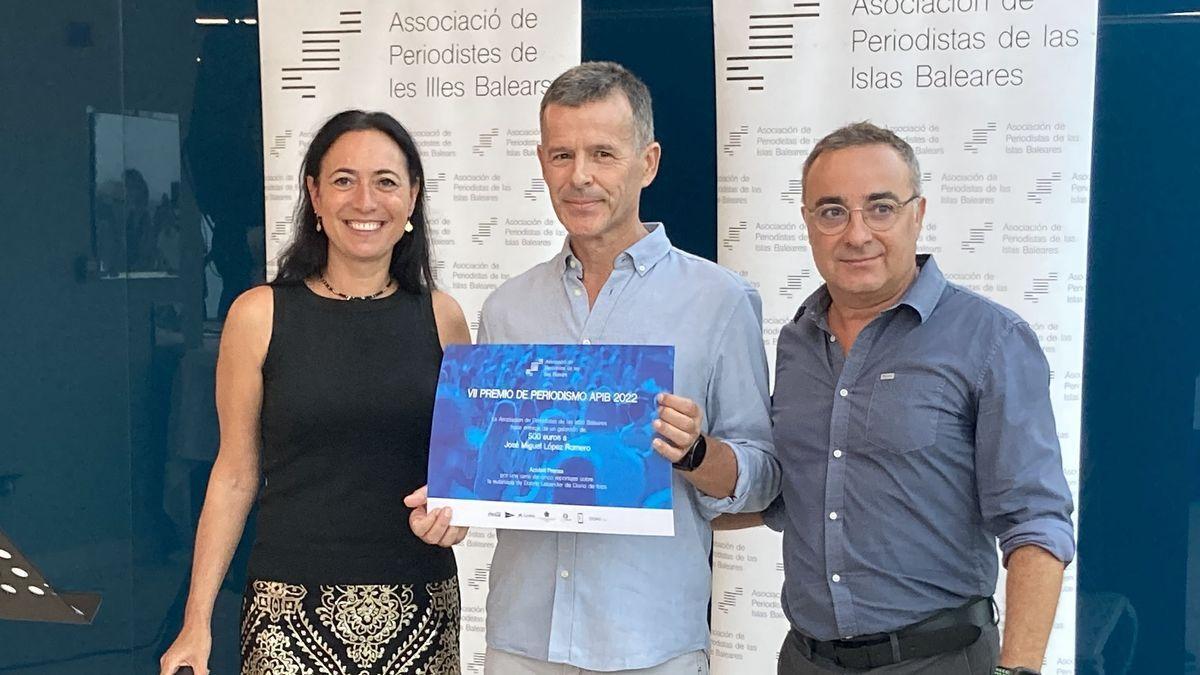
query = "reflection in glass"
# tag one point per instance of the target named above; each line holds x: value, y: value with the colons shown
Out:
x: 135, y: 195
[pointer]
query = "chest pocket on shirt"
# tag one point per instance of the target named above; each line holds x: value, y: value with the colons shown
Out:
x: 903, y: 413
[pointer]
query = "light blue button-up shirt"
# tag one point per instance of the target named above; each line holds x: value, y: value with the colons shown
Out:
x: 616, y: 602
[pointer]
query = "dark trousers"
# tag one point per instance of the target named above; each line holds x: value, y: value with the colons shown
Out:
x: 977, y: 658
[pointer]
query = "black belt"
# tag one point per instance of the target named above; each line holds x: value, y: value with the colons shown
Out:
x: 943, y: 632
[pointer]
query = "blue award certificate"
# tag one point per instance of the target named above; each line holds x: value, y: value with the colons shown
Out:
x: 552, y: 437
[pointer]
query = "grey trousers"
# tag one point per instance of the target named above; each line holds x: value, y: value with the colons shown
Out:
x: 977, y: 658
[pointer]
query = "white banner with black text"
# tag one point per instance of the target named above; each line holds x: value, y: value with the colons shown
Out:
x: 996, y: 97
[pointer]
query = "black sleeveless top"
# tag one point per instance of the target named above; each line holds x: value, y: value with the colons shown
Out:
x: 348, y: 389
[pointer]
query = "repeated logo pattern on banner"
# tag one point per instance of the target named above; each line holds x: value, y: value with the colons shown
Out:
x: 996, y: 97
x: 466, y: 78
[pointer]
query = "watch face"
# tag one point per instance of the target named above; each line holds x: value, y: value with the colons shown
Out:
x: 698, y: 451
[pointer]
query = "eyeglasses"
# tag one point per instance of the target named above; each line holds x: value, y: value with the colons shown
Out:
x: 878, y: 214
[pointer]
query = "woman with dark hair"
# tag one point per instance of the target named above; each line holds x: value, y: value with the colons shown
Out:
x: 325, y: 387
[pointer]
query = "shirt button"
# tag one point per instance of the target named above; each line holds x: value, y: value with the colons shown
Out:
x: 833, y: 338
x: 833, y: 515
x: 564, y: 574
x: 573, y: 264
x: 837, y: 454
x: 837, y: 578
x: 844, y: 392
x: 587, y: 341
x: 578, y: 292
x: 641, y: 268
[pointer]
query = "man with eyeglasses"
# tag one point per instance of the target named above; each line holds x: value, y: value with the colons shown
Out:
x: 912, y: 420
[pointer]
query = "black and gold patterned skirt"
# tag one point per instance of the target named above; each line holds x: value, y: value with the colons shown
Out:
x: 290, y: 629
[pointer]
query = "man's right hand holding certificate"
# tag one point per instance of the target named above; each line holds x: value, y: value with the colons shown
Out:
x: 705, y: 462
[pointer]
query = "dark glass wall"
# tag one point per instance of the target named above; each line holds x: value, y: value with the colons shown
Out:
x: 131, y: 186
x: 66, y: 491
x: 1139, y: 511
x: 127, y: 131
x: 670, y: 46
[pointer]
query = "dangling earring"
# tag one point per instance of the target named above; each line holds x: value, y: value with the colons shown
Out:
x: 318, y: 223
x: 408, y: 227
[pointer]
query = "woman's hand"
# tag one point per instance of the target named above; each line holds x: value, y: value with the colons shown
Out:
x: 432, y: 527
x: 191, y: 648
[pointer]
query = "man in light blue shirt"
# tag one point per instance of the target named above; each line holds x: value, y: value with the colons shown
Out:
x: 571, y: 603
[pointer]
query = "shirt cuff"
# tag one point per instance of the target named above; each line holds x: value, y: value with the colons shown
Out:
x: 1051, y: 534
x: 746, y: 491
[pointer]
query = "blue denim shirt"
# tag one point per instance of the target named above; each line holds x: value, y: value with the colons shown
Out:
x: 615, y: 602
x: 906, y: 460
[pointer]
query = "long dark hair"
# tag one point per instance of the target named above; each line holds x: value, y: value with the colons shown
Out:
x: 308, y: 253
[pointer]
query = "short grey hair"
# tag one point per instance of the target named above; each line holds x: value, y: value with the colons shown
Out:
x: 595, y: 81
x: 865, y: 133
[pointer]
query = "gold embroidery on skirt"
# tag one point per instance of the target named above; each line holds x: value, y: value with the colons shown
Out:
x: 279, y: 636
x: 428, y: 635
x: 366, y: 617
x: 444, y: 602
x: 272, y: 655
x: 276, y: 598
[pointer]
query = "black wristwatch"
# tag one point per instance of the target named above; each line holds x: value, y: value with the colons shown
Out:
x: 695, y: 455
x: 1001, y: 670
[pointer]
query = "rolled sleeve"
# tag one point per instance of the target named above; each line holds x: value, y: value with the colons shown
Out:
x: 738, y: 411
x: 1051, y: 534
x: 1023, y: 494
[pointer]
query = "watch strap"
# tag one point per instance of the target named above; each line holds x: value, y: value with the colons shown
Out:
x: 692, y: 459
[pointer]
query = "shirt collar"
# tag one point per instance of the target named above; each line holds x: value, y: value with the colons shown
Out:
x: 925, y: 292
x: 642, y: 255
x: 814, y: 307
x: 922, y: 295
